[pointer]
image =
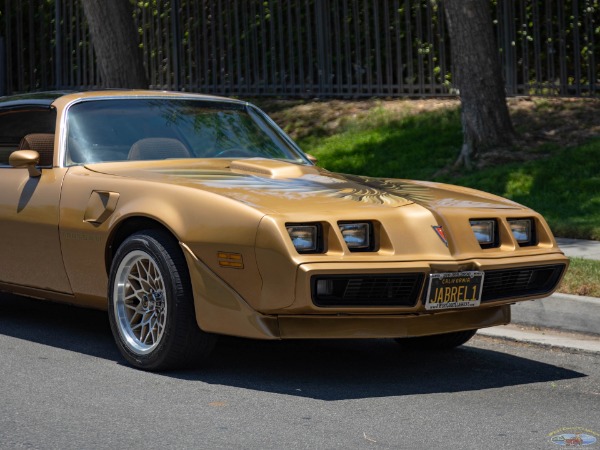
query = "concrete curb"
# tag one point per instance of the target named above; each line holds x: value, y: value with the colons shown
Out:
x: 544, y: 338
x: 556, y: 322
x: 560, y: 311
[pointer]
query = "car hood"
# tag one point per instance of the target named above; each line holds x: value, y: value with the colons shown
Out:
x: 278, y: 186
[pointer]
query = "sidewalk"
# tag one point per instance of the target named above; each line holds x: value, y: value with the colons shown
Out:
x: 554, y: 319
x: 578, y: 248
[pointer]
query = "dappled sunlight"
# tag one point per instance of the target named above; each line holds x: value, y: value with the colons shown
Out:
x: 519, y: 183
x: 414, y: 147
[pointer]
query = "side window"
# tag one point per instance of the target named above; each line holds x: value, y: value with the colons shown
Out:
x: 18, y: 122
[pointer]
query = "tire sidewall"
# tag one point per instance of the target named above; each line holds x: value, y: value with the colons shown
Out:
x: 163, y: 260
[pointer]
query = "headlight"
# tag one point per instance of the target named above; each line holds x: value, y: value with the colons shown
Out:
x: 357, y: 235
x: 304, y: 237
x: 522, y: 230
x: 484, y: 232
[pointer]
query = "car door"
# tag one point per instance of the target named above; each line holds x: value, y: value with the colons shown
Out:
x: 30, y: 254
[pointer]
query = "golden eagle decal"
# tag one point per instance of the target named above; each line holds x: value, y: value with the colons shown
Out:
x: 377, y: 191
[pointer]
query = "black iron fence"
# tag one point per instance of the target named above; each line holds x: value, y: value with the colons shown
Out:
x: 304, y: 48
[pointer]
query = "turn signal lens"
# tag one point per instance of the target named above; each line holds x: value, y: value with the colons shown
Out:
x: 521, y: 230
x: 484, y: 231
x: 357, y: 235
x: 304, y: 237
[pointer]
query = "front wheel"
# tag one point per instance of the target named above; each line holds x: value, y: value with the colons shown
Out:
x: 150, y: 304
x: 444, y: 341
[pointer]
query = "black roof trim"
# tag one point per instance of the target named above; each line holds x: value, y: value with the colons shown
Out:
x: 32, y: 99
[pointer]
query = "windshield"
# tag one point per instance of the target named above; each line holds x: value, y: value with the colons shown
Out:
x: 164, y: 128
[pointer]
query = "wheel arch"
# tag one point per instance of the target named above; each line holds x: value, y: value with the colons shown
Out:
x: 126, y: 228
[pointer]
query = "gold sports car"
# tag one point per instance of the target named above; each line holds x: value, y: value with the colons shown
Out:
x: 188, y: 216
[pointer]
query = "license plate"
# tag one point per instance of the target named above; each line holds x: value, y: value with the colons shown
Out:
x: 454, y: 290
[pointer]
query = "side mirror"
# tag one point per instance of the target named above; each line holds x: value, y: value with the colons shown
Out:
x: 26, y: 158
x: 312, y: 159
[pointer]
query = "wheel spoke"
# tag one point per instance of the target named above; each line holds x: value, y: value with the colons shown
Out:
x: 141, y: 305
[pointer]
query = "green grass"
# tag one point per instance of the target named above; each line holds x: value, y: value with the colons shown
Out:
x: 564, y: 186
x: 411, y: 147
x: 582, y: 278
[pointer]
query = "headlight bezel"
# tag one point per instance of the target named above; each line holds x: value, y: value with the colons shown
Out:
x: 369, y: 234
x: 532, y: 238
x: 493, y: 240
x: 317, y: 230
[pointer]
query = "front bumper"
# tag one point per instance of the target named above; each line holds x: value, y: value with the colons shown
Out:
x: 221, y: 310
x: 507, y: 281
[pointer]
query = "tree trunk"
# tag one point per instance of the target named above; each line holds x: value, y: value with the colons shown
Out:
x: 116, y: 43
x: 487, y: 129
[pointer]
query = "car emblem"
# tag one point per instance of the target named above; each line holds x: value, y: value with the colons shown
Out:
x: 440, y: 232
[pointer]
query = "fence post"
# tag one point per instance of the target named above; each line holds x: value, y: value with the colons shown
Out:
x: 3, y: 67
x: 506, y: 21
x: 176, y: 36
x: 322, y: 33
x: 57, y: 46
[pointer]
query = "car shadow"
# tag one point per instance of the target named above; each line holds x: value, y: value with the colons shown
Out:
x: 319, y: 369
x: 62, y: 326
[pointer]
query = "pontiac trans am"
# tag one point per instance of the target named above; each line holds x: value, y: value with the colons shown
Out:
x: 188, y: 216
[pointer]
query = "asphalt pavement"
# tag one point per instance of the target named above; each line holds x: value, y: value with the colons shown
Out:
x: 65, y: 386
x: 561, y: 320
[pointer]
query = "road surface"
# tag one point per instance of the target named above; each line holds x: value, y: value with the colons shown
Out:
x: 63, y: 385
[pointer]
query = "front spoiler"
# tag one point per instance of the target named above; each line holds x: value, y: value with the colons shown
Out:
x: 307, y: 326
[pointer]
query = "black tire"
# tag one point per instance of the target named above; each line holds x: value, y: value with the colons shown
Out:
x: 151, y: 307
x: 444, y: 341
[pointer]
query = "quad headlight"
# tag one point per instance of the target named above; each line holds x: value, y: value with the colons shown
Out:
x: 485, y: 232
x: 357, y: 235
x: 305, y: 237
x: 522, y: 230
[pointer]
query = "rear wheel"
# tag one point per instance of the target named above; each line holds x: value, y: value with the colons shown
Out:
x: 444, y: 341
x: 150, y: 304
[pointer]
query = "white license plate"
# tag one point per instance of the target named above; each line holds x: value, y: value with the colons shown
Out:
x: 454, y: 290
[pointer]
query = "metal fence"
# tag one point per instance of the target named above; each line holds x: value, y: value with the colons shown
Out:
x: 304, y: 48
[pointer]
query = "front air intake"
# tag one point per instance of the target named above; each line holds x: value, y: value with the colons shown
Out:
x: 367, y: 290
x: 522, y: 282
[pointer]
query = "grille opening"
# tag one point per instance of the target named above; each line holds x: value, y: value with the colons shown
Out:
x: 367, y: 290
x: 521, y: 282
